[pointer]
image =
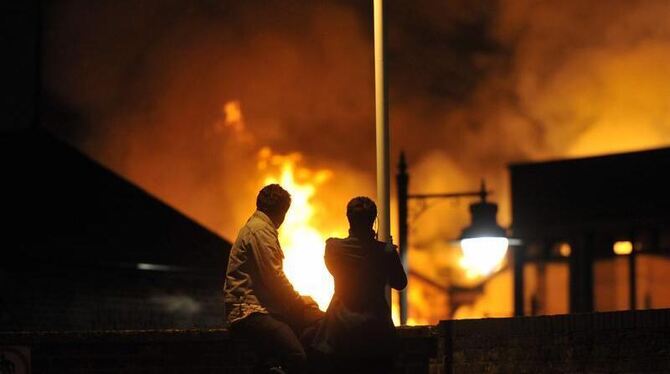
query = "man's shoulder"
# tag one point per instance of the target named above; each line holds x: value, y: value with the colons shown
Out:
x: 352, y: 244
x: 251, y: 233
x: 333, y: 242
x: 341, y: 243
x: 256, y: 225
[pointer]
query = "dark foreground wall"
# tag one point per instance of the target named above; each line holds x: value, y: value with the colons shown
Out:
x: 81, y: 298
x: 616, y: 342
x: 168, y: 351
x: 620, y: 342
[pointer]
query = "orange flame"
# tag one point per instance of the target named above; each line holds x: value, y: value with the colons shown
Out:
x: 303, y: 243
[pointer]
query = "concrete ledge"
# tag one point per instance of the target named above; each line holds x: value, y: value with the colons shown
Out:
x: 148, y: 351
x: 617, y: 342
x: 114, y: 336
x: 613, y: 342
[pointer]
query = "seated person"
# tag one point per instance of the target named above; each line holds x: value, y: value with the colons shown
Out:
x: 261, y: 304
x: 357, y: 333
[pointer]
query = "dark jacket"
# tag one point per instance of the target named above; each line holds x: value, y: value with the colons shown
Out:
x: 358, y: 321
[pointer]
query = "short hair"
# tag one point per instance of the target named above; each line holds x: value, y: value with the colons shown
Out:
x: 361, y: 212
x: 273, y: 199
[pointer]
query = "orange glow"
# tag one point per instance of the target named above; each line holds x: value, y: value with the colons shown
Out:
x: 495, y: 301
x: 623, y: 248
x: 233, y: 115
x: 411, y: 321
x: 565, y: 249
x: 565, y: 89
x: 302, y: 239
x: 302, y: 242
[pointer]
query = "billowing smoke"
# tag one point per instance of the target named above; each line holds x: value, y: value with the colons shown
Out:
x: 474, y: 85
x: 149, y: 82
x: 553, y: 79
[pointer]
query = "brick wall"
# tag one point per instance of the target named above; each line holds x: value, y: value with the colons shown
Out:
x: 617, y: 342
x: 173, y: 351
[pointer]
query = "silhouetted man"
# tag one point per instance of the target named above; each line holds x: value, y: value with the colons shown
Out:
x: 261, y: 304
x: 357, y: 334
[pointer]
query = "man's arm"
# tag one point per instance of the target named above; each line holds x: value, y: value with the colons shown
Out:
x: 396, y: 273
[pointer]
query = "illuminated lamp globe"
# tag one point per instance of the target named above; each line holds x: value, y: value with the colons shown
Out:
x: 484, y: 242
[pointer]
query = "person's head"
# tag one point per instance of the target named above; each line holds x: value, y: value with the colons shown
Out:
x: 274, y: 201
x: 361, y: 213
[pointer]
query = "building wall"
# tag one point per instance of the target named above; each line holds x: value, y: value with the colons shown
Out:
x: 611, y: 285
x: 546, y: 288
x: 557, y: 290
x: 618, y: 342
x: 611, y: 282
x: 550, y: 296
x: 175, y: 351
x: 653, y: 279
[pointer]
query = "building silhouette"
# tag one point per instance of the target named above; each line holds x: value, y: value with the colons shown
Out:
x: 83, y: 248
x: 569, y: 215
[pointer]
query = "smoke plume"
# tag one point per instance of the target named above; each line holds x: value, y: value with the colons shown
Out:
x: 474, y: 86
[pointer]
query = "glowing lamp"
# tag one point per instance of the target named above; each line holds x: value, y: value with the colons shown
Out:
x: 622, y: 248
x: 484, y: 242
x: 564, y: 249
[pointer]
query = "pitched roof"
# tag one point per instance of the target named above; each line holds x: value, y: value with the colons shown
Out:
x: 59, y: 205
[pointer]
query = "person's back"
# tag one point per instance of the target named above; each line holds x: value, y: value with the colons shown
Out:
x: 358, y: 328
x: 261, y: 304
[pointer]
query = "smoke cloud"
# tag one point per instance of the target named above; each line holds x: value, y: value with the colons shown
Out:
x: 474, y: 86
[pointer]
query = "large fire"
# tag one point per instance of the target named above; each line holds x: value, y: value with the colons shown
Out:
x: 303, y: 243
x: 308, y: 223
x: 302, y: 240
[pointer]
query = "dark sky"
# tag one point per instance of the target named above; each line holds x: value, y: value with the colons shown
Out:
x: 474, y: 85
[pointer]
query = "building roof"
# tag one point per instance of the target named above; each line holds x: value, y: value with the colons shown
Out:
x: 60, y: 206
x: 626, y: 189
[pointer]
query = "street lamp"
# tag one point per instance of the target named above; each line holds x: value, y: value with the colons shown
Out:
x: 483, y: 242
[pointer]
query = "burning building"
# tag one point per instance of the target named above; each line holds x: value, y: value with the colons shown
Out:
x: 596, y: 233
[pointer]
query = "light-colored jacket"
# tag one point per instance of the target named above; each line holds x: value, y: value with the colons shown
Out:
x: 255, y: 279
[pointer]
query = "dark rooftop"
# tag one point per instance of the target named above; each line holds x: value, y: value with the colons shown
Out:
x: 61, y: 206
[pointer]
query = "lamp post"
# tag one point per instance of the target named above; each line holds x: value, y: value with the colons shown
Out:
x: 382, y: 130
x: 483, y: 240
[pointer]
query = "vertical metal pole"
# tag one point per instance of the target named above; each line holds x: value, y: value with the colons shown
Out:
x: 581, y: 274
x: 402, y: 180
x: 518, y: 262
x: 381, y: 120
x: 632, y: 276
x: 587, y: 281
